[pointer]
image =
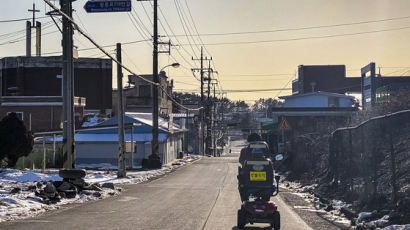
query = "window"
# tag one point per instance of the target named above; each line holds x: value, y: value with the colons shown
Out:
x: 20, y: 115
x: 144, y: 91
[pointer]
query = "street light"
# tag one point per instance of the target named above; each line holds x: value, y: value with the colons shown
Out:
x: 175, y: 65
x: 153, y: 159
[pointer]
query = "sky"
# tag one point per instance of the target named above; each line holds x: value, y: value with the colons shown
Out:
x: 240, y: 65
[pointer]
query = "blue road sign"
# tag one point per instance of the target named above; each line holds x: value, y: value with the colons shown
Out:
x: 108, y: 6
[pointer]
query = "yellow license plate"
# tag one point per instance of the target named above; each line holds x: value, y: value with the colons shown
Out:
x: 258, y: 176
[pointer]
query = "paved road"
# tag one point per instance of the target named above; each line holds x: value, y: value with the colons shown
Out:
x: 202, y: 195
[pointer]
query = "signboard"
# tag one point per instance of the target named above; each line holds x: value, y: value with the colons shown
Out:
x: 104, y: 6
x: 284, y: 125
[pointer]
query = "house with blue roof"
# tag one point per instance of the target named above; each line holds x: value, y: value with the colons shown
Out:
x: 99, y: 145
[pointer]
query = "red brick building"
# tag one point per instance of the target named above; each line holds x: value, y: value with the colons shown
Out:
x: 40, y: 113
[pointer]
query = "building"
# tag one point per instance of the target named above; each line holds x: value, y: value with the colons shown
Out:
x: 318, y: 100
x: 308, y: 114
x: 41, y: 113
x: 377, y: 88
x: 138, y: 96
x: 41, y: 76
x: 100, y: 146
x: 190, y: 123
x: 326, y: 78
x: 332, y: 78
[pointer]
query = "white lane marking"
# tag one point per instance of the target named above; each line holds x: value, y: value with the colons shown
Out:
x: 128, y: 198
x: 38, y: 221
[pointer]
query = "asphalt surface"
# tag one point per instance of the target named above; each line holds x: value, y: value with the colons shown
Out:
x: 201, y: 195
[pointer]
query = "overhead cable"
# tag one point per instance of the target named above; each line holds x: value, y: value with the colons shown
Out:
x: 112, y: 58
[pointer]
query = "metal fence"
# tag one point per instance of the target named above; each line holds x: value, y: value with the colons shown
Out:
x: 46, y: 153
x: 371, y: 161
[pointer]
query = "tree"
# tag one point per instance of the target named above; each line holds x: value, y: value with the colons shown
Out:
x: 15, y: 140
x: 263, y: 105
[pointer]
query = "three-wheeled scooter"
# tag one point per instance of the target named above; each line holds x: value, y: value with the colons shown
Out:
x: 257, y: 183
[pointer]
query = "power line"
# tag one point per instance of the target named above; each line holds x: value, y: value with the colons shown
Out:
x: 22, y: 39
x: 299, y: 28
x: 139, y: 30
x: 183, y: 27
x: 172, y: 32
x: 105, y: 46
x: 242, y: 90
x: 20, y: 19
x: 140, y: 22
x: 305, y: 38
x: 187, y: 23
x: 112, y: 58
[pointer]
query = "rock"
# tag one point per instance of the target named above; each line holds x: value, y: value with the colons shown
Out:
x: 85, y: 192
x: 65, y: 186
x: 94, y: 187
x: 50, y: 188
x: 39, y: 185
x: 72, y: 173
x: 32, y: 187
x: 363, y: 216
x: 108, y: 185
x: 329, y: 208
x: 403, y: 205
x: 70, y: 195
x: 348, y: 213
x: 15, y: 190
x: 57, y: 183
x: 3, y: 203
x: 78, y: 182
x: 62, y: 194
x: 97, y: 194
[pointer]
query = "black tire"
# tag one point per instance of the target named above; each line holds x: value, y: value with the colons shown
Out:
x: 241, y: 219
x: 275, y: 221
x: 72, y: 173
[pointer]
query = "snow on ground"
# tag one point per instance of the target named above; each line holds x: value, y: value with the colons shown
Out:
x: 329, y: 211
x: 18, y: 199
x: 398, y: 227
x: 334, y: 214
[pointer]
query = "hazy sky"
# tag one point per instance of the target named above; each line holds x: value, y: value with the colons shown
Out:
x: 240, y: 66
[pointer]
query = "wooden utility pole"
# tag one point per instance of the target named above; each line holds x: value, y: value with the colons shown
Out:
x: 68, y: 83
x: 121, y: 146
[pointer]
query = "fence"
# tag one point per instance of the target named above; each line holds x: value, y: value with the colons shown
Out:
x: 371, y: 161
x: 46, y: 153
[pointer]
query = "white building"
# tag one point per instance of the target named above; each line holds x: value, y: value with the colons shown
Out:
x: 318, y: 100
x: 100, y: 146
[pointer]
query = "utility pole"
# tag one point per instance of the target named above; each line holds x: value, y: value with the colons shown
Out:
x: 154, y: 157
x: 68, y: 83
x: 202, y: 103
x: 121, y: 146
x: 209, y: 114
x: 154, y: 160
x: 213, y: 138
